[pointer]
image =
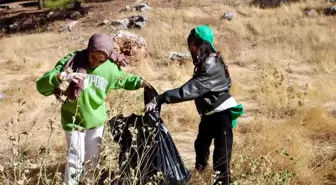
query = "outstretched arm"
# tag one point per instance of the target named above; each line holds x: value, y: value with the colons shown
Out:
x: 194, y: 88
x: 49, y: 81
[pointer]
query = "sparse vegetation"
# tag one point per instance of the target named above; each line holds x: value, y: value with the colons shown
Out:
x: 62, y: 4
x: 282, y: 63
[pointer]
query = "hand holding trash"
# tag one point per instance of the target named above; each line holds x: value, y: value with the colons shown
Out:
x: 71, y: 85
x: 145, y: 84
x: 71, y: 77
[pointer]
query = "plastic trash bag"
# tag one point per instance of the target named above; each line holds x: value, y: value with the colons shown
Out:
x: 147, y: 150
x: 169, y: 159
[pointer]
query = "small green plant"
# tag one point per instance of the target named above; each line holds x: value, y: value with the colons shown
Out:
x: 61, y: 4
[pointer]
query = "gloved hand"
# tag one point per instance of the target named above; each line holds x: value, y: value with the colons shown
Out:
x: 74, y: 77
x: 154, y: 103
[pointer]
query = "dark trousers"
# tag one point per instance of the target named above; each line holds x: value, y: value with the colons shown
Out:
x: 217, y: 126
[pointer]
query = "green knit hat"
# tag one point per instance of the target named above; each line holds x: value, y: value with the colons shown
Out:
x: 206, y: 33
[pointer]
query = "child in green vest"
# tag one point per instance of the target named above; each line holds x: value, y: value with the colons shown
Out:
x: 96, y: 70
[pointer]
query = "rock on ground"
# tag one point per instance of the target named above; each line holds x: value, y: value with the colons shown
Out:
x: 121, y: 23
x: 138, y: 7
x: 142, y: 7
x: 74, y: 15
x: 135, y: 21
x: 131, y: 45
x: 330, y: 10
x: 229, y: 15
x: 68, y: 27
x: 125, y: 9
x: 178, y: 56
x: 14, y: 26
x: 105, y: 22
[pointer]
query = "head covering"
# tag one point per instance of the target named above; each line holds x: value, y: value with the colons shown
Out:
x: 105, y: 43
x: 206, y: 33
x: 79, y: 62
x: 101, y: 42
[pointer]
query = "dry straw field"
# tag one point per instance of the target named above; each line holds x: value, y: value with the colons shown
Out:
x: 283, y: 66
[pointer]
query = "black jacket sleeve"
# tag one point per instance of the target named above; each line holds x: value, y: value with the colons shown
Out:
x: 199, y: 85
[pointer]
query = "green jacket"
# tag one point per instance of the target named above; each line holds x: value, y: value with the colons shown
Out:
x: 90, y: 109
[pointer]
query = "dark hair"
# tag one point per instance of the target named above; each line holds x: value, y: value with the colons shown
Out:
x: 205, y: 49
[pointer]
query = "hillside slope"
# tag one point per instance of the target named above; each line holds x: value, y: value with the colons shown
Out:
x: 282, y: 63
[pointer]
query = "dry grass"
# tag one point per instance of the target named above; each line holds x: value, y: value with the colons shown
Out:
x: 282, y: 64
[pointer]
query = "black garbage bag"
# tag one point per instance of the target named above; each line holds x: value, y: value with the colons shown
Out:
x: 147, y: 151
